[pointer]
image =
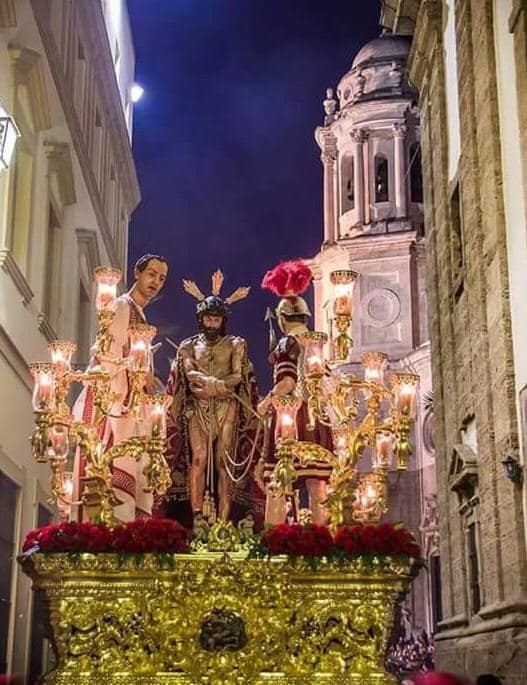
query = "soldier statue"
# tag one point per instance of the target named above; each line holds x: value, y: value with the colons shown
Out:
x: 288, y: 280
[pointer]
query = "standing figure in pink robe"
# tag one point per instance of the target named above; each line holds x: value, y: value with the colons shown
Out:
x: 150, y: 274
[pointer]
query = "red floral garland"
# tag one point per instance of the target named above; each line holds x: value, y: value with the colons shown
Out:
x: 296, y: 540
x: 136, y: 537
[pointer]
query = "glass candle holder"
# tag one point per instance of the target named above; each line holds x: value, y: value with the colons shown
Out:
x: 44, y: 387
x: 404, y: 386
x: 67, y: 486
x: 156, y: 406
x: 286, y: 407
x: 61, y: 352
x: 313, y: 346
x: 374, y: 364
x: 65, y: 498
x: 106, y: 278
x: 383, y: 451
x: 140, y: 337
x: 59, y: 440
x: 343, y: 281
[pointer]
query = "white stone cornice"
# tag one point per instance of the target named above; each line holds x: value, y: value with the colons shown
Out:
x: 60, y: 163
x: 11, y: 353
x: 30, y: 72
x: 45, y: 327
x: 9, y: 265
x: 88, y: 244
x: 93, y: 20
x: 7, y: 14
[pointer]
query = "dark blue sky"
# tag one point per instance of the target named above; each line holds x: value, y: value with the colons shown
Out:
x: 229, y: 170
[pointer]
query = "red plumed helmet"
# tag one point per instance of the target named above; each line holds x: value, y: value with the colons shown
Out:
x: 288, y: 279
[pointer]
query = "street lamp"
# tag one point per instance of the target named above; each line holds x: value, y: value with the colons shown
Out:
x: 136, y: 92
x: 8, y: 137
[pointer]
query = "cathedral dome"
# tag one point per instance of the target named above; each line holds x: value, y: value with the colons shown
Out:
x: 389, y: 46
x: 378, y: 72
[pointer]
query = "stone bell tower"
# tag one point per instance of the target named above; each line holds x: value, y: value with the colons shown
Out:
x: 373, y: 224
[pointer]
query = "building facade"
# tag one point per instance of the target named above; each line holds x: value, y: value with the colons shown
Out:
x: 373, y: 224
x: 468, y: 60
x: 66, y: 69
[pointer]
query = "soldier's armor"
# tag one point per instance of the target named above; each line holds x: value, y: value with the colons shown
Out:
x: 287, y: 360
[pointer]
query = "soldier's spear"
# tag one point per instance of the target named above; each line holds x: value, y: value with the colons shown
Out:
x: 269, y: 316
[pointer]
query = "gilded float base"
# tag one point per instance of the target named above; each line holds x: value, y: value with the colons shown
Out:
x: 216, y: 618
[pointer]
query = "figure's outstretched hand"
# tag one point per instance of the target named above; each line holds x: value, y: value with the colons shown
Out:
x: 264, y: 405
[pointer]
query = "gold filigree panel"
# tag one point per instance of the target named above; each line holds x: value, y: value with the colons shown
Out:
x: 217, y: 618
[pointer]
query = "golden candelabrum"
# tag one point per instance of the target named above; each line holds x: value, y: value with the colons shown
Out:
x: 366, y: 415
x: 58, y: 432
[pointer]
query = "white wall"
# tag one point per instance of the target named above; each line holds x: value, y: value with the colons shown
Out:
x: 120, y: 39
x: 452, y: 95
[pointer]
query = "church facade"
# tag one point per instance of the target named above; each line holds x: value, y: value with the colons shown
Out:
x: 373, y: 224
x: 468, y: 60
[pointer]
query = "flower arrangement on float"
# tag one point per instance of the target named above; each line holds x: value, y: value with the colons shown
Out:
x: 315, y: 543
x: 164, y: 536
x: 142, y: 536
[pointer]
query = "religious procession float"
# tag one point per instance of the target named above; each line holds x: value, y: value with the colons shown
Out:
x: 208, y: 534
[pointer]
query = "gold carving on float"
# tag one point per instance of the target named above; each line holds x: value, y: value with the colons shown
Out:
x: 218, y: 618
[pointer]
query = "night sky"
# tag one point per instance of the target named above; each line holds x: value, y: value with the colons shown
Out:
x: 229, y: 170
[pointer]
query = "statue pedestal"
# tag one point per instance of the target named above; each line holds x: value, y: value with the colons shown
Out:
x: 218, y: 618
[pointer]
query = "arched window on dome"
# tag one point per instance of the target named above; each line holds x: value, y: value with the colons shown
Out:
x: 382, y: 190
x: 347, y: 174
x: 416, y: 178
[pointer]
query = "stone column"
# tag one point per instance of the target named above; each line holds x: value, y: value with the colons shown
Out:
x: 329, y: 157
x: 358, y: 136
x: 399, y: 135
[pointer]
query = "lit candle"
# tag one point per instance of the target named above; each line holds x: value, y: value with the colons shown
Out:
x: 141, y: 335
x: 343, y: 303
x: 405, y: 388
x: 313, y: 344
x: 344, y: 282
x: 406, y: 396
x: 106, y: 294
x: 286, y: 408
x: 374, y: 365
x: 66, y: 495
x: 314, y: 364
x: 383, y: 450
x: 157, y: 405
x: 107, y: 279
x: 61, y: 352
x: 44, y: 387
x: 67, y: 486
x: 59, y: 440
